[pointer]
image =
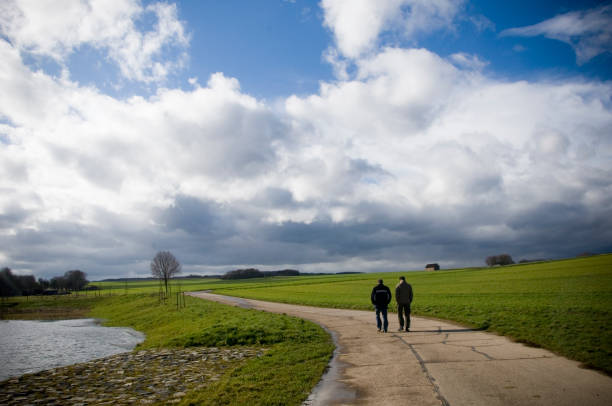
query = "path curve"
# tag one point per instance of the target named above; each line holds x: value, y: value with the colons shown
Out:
x: 437, y: 363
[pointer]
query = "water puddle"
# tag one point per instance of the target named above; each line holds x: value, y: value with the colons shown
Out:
x: 330, y: 390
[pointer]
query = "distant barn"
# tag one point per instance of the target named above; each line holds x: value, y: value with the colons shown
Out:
x: 432, y: 267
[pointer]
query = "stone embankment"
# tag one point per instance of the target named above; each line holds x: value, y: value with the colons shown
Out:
x: 139, y: 377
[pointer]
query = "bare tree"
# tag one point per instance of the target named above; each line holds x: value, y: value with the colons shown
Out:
x: 164, y: 266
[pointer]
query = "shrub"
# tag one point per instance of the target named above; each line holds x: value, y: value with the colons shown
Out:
x: 501, y: 259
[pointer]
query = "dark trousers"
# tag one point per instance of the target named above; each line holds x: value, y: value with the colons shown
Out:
x: 385, y: 323
x: 403, y: 309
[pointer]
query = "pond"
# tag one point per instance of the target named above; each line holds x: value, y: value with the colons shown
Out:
x: 30, y: 346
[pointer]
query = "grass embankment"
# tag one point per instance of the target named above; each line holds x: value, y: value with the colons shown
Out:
x: 564, y: 306
x: 297, y: 351
x: 48, y: 307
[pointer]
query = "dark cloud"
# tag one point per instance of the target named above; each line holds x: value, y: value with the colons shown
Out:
x: 238, y: 142
x: 202, y: 232
x: 203, y: 219
x: 275, y: 197
x: 13, y: 216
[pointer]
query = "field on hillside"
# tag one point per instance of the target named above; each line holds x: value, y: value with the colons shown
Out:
x: 565, y: 306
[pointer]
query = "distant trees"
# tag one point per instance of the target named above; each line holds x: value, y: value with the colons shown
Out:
x: 43, y: 283
x: 256, y: 273
x: 243, y: 274
x: 28, y: 285
x: 164, y: 266
x: 501, y: 259
x: 9, y: 285
x: 25, y: 285
x: 58, y: 282
x: 283, y: 272
x: 15, y: 285
x: 76, y: 279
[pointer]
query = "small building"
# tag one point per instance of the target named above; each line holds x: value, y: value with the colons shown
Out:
x: 432, y: 267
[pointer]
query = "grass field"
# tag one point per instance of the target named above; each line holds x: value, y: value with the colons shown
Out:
x: 296, y: 351
x: 564, y: 306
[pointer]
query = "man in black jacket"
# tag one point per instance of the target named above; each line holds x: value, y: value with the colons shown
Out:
x: 381, y: 297
x: 403, y: 297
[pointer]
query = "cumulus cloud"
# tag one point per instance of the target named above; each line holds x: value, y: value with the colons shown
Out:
x: 465, y: 155
x: 56, y: 29
x: 357, y: 24
x: 72, y: 152
x: 588, y: 32
x: 415, y: 158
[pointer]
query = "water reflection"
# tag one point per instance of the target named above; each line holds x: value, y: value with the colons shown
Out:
x: 30, y: 346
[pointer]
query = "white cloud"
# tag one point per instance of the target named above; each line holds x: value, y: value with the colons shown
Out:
x: 357, y: 24
x: 482, y: 23
x: 588, y: 32
x: 56, y: 29
x: 454, y: 138
x: 83, y: 149
x: 414, y: 158
x: 467, y: 61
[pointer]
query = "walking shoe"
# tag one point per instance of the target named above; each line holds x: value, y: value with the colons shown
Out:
x: 407, y: 330
x: 400, y: 329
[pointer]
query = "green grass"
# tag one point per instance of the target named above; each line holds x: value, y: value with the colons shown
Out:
x: 297, y: 350
x: 564, y: 306
x: 48, y: 307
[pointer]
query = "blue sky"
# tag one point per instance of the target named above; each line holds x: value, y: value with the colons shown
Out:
x: 276, y: 48
x: 319, y: 135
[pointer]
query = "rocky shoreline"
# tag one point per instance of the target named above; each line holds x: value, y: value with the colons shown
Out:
x: 138, y: 377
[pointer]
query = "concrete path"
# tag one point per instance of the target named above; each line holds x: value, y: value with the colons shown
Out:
x: 436, y: 363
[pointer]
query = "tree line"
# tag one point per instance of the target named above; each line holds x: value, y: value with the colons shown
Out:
x: 256, y: 273
x: 26, y: 285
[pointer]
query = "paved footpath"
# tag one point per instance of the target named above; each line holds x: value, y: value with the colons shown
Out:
x: 436, y: 363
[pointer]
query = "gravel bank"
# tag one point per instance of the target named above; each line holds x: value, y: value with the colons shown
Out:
x: 139, y: 377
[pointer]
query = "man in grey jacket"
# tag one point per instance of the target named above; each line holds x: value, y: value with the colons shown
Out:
x: 403, y: 297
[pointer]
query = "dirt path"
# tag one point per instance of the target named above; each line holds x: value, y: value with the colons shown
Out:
x: 437, y: 363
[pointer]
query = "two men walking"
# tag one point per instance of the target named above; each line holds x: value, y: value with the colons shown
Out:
x: 381, y: 297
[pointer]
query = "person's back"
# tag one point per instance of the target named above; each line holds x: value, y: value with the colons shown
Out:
x: 403, y: 297
x: 403, y: 292
x: 381, y: 297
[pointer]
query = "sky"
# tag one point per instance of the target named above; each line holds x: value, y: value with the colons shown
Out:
x: 324, y: 136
